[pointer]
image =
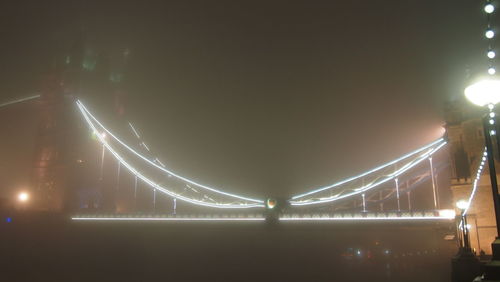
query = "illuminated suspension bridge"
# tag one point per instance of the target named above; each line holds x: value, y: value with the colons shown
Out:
x: 358, y: 198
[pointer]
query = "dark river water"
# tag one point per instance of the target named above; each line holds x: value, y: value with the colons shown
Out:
x: 35, y: 248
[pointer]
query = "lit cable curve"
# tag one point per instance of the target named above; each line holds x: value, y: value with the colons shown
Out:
x: 88, y: 116
x: 425, y: 151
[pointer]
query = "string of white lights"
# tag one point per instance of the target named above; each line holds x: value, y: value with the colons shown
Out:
x: 150, y: 182
x: 490, y: 34
x: 169, y: 172
x: 376, y: 183
x: 489, y: 8
x: 440, y: 140
x: 476, y: 181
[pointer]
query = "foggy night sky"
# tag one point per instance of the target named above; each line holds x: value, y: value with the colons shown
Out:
x: 256, y: 97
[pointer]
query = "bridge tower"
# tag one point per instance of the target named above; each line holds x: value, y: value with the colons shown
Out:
x: 65, y: 171
x: 53, y: 152
x: 58, y: 165
x: 466, y: 139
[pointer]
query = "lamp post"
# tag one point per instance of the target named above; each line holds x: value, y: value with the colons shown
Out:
x: 462, y: 205
x: 487, y: 93
x: 483, y: 93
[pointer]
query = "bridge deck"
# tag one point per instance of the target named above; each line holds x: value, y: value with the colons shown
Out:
x: 440, y: 215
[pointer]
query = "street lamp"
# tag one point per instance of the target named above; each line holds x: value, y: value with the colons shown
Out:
x: 23, y: 197
x: 462, y: 205
x: 486, y: 92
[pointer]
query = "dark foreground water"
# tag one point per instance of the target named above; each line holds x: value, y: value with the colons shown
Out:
x: 34, y: 248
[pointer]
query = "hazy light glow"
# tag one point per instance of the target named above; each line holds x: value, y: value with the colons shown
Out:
x: 491, y: 54
x: 491, y: 71
x: 23, y: 197
x: 462, y: 204
x: 447, y: 213
x: 484, y: 92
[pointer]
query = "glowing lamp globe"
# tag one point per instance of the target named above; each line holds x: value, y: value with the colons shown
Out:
x: 23, y: 197
x: 484, y: 92
x: 489, y: 34
x: 489, y: 8
x: 271, y: 203
x: 462, y: 205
